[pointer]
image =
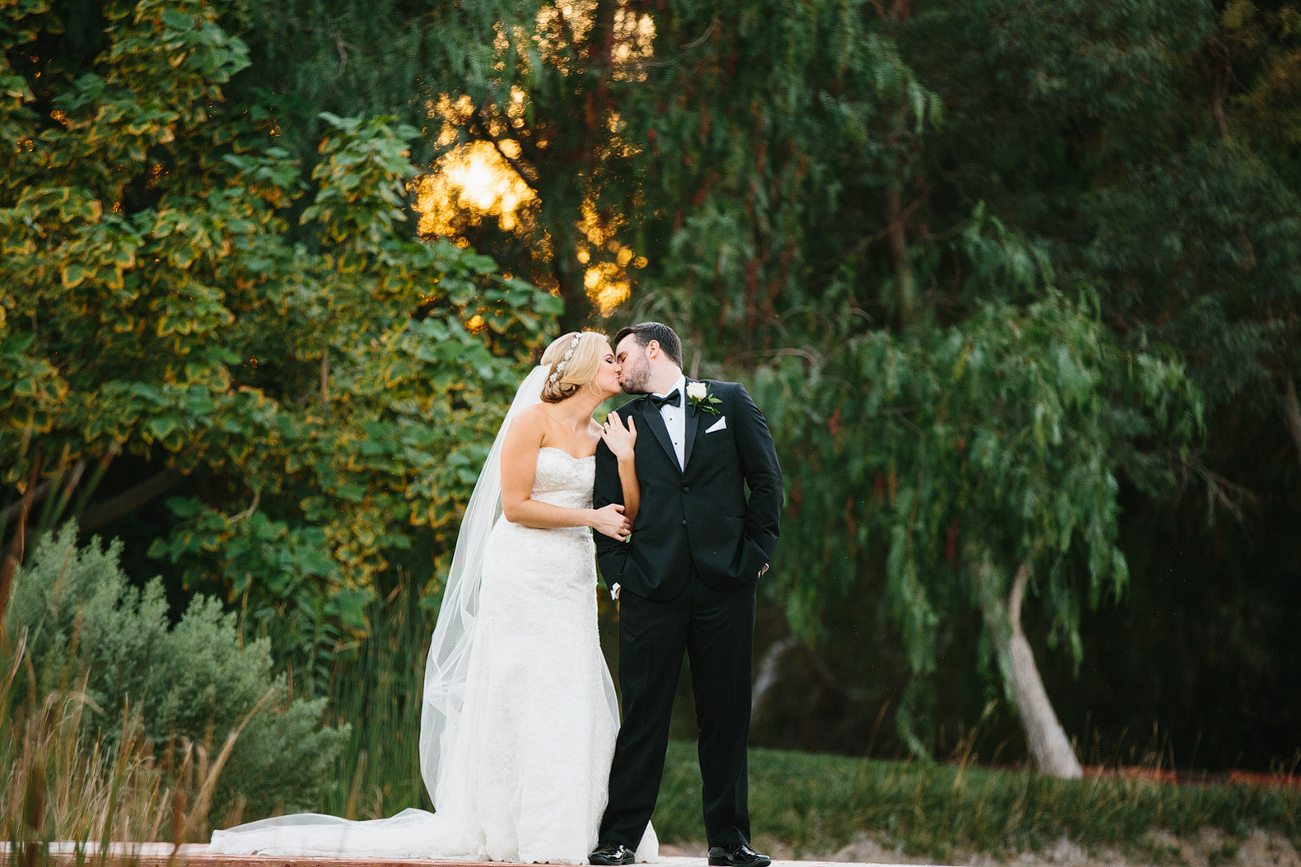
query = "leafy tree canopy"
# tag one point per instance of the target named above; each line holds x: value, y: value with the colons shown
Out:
x: 336, y: 386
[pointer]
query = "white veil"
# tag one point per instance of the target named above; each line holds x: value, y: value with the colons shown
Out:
x: 449, y: 649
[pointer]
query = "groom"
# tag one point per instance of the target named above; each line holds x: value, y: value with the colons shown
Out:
x: 686, y: 582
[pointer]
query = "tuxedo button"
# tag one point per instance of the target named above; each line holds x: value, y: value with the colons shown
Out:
x: 684, y: 522
x: 686, y: 489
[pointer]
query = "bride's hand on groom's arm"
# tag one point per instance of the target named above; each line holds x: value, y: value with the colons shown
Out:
x: 610, y: 521
x: 619, y: 437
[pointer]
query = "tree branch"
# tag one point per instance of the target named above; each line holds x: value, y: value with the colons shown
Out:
x: 828, y: 679
x: 35, y: 496
x: 888, y: 232
x: 325, y: 380
x: 129, y: 500
x: 1219, y: 79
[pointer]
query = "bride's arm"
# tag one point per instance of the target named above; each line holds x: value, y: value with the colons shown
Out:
x: 631, y: 489
x: 621, y: 439
x: 519, y: 463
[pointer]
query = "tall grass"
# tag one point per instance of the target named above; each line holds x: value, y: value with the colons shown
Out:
x: 378, y: 692
x: 59, y: 783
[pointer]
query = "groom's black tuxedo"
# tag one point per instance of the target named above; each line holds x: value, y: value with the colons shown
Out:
x: 697, y: 516
x: 688, y: 578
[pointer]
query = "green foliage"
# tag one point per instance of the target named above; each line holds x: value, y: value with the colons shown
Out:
x: 1130, y: 140
x: 734, y: 147
x: 792, y: 131
x: 993, y: 442
x: 1199, y: 252
x: 1257, y: 78
x: 330, y: 389
x: 196, y: 681
x: 817, y: 803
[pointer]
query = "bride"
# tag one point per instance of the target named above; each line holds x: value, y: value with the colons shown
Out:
x: 519, y: 711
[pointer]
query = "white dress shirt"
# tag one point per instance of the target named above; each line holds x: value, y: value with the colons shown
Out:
x: 675, y: 419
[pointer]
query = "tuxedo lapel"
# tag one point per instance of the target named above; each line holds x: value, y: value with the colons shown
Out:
x: 693, y: 423
x: 655, y: 422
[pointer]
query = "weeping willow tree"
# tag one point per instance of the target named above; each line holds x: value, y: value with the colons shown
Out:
x: 988, y: 478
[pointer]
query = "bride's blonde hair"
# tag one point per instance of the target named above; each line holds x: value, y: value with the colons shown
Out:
x: 574, y: 359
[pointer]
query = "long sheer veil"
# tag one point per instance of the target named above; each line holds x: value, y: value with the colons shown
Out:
x: 449, y: 650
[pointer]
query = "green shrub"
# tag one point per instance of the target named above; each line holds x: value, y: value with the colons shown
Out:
x: 196, y: 681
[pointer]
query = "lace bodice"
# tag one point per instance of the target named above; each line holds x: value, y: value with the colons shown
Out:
x: 564, y: 480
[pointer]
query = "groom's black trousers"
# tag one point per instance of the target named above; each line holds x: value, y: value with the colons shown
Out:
x: 716, y: 630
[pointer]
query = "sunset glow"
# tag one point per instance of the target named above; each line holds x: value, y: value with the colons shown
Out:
x: 478, y: 180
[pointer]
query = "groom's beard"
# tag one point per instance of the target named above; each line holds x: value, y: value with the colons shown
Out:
x: 634, y: 381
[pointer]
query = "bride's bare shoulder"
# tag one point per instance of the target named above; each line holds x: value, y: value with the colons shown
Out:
x: 535, y: 416
x: 527, y: 427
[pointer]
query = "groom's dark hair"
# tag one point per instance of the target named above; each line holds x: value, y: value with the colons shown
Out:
x: 645, y: 332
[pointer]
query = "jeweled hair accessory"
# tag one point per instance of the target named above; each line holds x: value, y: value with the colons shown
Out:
x: 560, y: 366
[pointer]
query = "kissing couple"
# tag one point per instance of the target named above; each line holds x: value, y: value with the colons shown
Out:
x: 520, y: 743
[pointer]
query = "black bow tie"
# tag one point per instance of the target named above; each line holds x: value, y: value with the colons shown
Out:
x: 673, y: 398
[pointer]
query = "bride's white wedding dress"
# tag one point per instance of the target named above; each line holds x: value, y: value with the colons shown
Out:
x: 526, y: 759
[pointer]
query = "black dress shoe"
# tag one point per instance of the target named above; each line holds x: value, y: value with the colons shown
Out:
x: 737, y: 855
x: 607, y: 854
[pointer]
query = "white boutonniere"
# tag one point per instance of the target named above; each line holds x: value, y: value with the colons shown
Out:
x: 698, y: 396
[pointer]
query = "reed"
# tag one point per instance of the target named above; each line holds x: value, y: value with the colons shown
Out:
x: 60, y: 780
x: 377, y: 690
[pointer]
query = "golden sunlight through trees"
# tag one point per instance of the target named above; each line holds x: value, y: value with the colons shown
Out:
x: 472, y: 181
x: 606, y: 280
x: 634, y: 41
x: 487, y: 177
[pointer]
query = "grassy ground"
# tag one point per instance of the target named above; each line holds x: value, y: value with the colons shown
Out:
x: 817, y: 803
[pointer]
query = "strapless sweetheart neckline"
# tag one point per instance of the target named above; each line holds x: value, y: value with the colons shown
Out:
x: 566, y: 454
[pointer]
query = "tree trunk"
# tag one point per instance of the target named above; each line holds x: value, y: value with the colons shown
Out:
x: 1044, y: 735
x: 898, y: 235
x: 31, y: 499
x: 1292, y: 413
x: 13, y: 554
x: 769, y: 673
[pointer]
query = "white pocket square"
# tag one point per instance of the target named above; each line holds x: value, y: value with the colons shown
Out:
x: 718, y: 425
